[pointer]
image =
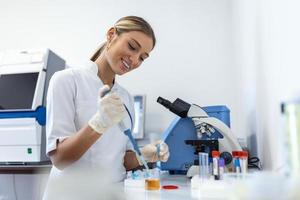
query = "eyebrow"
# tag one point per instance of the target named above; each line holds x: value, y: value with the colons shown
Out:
x: 139, y: 46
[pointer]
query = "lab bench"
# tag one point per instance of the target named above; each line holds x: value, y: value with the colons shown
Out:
x: 27, y: 168
x: 23, y: 181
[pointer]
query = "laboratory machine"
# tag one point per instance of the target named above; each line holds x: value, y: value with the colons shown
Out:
x: 24, y: 79
x: 196, y: 129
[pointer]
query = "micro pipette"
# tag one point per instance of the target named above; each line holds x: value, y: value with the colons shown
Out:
x: 127, y: 132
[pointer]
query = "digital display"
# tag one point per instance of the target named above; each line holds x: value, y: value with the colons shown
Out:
x: 17, y: 90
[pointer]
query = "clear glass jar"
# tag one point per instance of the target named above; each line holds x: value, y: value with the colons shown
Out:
x: 153, y: 181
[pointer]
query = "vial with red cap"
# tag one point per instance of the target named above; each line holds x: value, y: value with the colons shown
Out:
x: 243, y: 156
x: 235, y: 156
x: 216, y: 156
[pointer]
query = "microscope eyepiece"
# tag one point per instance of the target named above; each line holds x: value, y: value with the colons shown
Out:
x: 164, y: 102
x: 178, y: 107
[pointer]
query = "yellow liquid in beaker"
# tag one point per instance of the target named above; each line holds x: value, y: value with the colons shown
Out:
x: 152, y: 184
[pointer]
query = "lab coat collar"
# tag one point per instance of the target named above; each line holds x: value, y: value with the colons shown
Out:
x: 93, y: 68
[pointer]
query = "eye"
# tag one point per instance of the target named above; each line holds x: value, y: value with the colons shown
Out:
x: 131, y: 47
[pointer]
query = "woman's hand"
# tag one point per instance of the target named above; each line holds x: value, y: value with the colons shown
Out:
x: 110, y: 111
x: 156, y: 151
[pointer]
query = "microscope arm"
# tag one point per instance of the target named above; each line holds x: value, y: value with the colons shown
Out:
x: 196, y: 111
x: 199, y: 116
x: 224, y: 130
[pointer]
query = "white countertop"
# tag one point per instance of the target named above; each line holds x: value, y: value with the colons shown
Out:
x: 183, y: 191
x: 260, y: 185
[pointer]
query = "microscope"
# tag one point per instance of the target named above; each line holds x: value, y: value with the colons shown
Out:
x: 196, y: 129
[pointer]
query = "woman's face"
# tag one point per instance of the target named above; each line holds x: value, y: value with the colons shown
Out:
x: 127, y: 51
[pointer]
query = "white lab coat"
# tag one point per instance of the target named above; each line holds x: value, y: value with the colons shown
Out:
x: 71, y: 102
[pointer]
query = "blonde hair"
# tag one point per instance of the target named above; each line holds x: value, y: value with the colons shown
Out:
x: 127, y: 24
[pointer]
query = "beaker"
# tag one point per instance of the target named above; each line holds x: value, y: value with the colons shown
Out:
x: 153, y: 181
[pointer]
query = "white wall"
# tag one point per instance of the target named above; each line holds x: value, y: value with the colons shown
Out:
x: 279, y: 74
x: 266, y: 48
x: 246, y: 44
x: 258, y: 57
x: 192, y: 59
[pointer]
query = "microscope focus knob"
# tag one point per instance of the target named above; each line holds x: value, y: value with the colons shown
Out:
x: 226, y: 156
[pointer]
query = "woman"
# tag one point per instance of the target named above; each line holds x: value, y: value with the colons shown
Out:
x: 82, y: 123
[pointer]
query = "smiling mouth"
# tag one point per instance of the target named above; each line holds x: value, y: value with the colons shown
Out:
x: 127, y: 66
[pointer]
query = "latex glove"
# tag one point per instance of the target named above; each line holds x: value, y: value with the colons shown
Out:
x: 149, y: 152
x: 110, y: 111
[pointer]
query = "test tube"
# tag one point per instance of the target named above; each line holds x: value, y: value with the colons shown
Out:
x: 215, y: 156
x: 221, y: 168
x: 234, y: 157
x: 203, y: 166
x: 237, y: 166
x: 244, y: 161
